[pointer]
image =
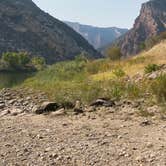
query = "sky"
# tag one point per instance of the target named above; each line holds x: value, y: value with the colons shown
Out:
x: 102, y: 13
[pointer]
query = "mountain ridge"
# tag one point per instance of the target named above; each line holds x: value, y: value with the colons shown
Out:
x: 150, y: 22
x: 97, y: 36
x: 25, y: 27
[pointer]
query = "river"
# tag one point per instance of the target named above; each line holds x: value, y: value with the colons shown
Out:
x: 11, y: 79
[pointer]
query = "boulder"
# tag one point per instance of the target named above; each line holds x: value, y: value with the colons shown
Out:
x: 45, y: 107
x: 67, y: 105
x: 59, y: 112
x: 153, y: 76
x: 78, y: 111
x: 78, y: 107
x: 103, y: 102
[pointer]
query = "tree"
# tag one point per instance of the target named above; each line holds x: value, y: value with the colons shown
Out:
x: 15, y: 60
x: 38, y: 62
x: 114, y: 53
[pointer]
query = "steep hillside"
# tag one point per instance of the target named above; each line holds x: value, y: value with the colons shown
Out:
x: 24, y: 27
x: 136, y: 65
x: 150, y: 22
x: 98, y: 37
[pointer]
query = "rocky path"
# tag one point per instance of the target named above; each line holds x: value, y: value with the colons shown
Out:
x: 19, y: 101
x: 107, y: 133
x: 107, y: 138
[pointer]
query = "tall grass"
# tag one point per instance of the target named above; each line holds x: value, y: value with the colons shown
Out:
x: 73, y: 80
x: 70, y: 81
x: 158, y: 88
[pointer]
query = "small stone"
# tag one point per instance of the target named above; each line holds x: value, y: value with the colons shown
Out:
x: 149, y: 145
x: 5, y: 112
x: 103, y: 102
x: 145, y: 123
x: 58, y: 112
x: 139, y: 158
x: 53, y: 155
x: 15, y: 112
x: 2, y: 105
x: 28, y: 98
x: 47, y: 149
x: 39, y: 136
x: 120, y: 137
x: 12, y: 101
x: 153, y: 76
x: 25, y: 150
x: 123, y: 153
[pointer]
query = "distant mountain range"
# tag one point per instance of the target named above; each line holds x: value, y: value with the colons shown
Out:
x: 150, y: 22
x: 96, y: 36
x: 25, y: 27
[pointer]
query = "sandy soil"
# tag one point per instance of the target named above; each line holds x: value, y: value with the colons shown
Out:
x: 98, y: 139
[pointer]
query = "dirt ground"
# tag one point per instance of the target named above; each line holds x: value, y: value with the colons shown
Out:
x: 91, y: 139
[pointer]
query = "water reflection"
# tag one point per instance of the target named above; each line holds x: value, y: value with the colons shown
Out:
x: 10, y: 79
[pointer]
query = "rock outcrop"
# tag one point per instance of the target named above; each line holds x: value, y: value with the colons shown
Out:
x: 25, y: 27
x: 150, y: 22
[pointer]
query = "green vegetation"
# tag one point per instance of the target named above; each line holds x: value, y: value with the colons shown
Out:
x: 114, y: 53
x: 151, y: 68
x: 72, y: 80
x: 15, y: 60
x: 119, y: 72
x: 158, y: 88
x: 12, y: 61
x: 39, y: 63
x: 88, y: 80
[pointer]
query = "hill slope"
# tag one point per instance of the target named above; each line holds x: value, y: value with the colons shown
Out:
x: 98, y: 37
x: 150, y: 22
x: 134, y: 65
x: 24, y: 27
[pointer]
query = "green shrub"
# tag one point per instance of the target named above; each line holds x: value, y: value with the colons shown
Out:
x: 118, y: 72
x: 116, y: 91
x: 151, y: 68
x: 38, y: 62
x: 70, y: 81
x: 158, y: 88
x: 114, y: 53
x: 133, y: 90
x: 15, y: 60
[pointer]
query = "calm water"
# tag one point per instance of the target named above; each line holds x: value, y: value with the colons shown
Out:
x: 10, y: 79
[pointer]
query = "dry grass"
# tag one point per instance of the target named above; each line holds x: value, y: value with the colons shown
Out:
x: 134, y: 65
x: 88, y: 80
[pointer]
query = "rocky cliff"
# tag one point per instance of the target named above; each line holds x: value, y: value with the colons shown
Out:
x: 150, y: 22
x: 97, y: 36
x: 25, y: 27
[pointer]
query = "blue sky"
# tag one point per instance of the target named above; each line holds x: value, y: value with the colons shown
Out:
x: 103, y: 13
